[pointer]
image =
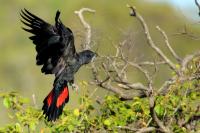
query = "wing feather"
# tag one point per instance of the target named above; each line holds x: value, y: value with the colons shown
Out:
x: 54, y: 43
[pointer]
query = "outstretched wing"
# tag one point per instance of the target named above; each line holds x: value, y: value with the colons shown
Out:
x: 54, y: 44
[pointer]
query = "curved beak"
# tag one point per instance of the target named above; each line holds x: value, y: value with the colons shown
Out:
x: 95, y: 55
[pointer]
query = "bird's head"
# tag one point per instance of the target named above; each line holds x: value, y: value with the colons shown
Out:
x: 87, y: 56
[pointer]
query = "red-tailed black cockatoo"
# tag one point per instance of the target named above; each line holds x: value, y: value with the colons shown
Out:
x: 57, y: 55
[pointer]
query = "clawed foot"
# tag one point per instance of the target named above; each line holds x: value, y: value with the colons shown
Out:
x: 75, y: 87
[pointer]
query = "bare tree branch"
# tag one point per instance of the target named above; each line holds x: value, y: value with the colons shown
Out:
x: 112, y: 73
x: 145, y: 72
x: 166, y: 86
x: 198, y: 5
x: 168, y: 44
x: 142, y: 130
x: 107, y: 85
x: 118, y: 84
x: 136, y: 86
x: 86, y: 26
x: 150, y: 41
x: 146, y: 63
x: 34, y: 100
x: 187, y: 33
x: 150, y: 93
x: 187, y: 59
x: 102, y: 83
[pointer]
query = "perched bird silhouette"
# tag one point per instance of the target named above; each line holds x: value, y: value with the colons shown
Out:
x: 57, y: 55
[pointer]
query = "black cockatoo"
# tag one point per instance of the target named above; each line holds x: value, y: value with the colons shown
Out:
x: 57, y: 55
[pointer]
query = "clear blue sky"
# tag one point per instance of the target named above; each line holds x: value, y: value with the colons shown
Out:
x: 186, y: 7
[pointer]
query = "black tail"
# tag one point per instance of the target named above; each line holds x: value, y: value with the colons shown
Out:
x: 55, y: 101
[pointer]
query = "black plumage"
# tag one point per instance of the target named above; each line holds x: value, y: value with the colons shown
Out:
x: 57, y: 54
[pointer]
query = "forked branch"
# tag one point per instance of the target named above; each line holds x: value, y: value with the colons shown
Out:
x: 112, y: 73
x: 150, y: 41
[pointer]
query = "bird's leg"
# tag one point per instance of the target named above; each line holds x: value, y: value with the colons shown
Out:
x: 74, y: 86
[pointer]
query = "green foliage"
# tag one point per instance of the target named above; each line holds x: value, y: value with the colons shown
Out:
x: 113, y: 112
x: 179, y: 107
x: 27, y: 117
x: 116, y: 113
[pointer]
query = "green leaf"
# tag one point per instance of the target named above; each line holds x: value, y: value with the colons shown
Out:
x: 7, y: 102
x: 18, y: 127
x: 174, y: 100
x: 159, y: 110
x: 107, y: 122
x: 32, y: 126
x: 70, y: 128
x: 193, y: 95
x: 76, y: 112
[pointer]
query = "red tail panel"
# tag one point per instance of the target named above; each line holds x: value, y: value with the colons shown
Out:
x: 55, y: 101
x: 62, y: 97
x: 50, y: 98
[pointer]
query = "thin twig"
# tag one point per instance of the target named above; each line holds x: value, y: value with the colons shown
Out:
x: 145, y: 72
x: 106, y: 85
x: 146, y: 63
x: 168, y: 44
x: 141, y: 130
x: 166, y: 85
x: 34, y: 100
x: 187, y: 33
x: 86, y: 26
x: 150, y: 41
x: 187, y: 59
x: 150, y: 93
x: 198, y: 5
x: 136, y: 86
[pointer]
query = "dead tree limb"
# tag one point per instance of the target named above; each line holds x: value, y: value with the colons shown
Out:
x: 114, y: 71
x: 150, y: 41
x: 150, y: 93
x: 168, y: 44
x: 198, y: 5
x: 86, y: 26
x: 106, y: 83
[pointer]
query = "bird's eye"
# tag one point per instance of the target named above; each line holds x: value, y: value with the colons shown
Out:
x: 88, y: 56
